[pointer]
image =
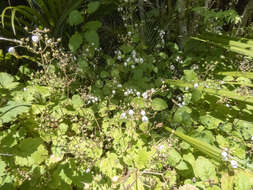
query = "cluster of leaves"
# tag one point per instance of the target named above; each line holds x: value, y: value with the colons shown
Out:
x: 135, y: 119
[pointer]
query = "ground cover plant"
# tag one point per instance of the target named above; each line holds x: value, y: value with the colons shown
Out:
x: 119, y: 101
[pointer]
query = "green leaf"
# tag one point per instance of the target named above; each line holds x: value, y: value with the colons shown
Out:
x: 2, y: 168
x: 190, y: 76
x: 138, y: 102
x: 92, y: 37
x: 93, y: 25
x: 142, y: 158
x: 75, y: 41
x: 12, y: 110
x: 173, y: 157
x: 243, y: 181
x: 204, y: 169
x: 227, y: 182
x: 7, y: 81
x: 93, y: 6
x: 159, y: 104
x: 75, y: 18
x: 77, y: 101
x: 30, y: 151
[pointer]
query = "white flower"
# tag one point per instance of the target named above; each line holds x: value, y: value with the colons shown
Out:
x: 132, y: 66
x: 113, y: 91
x: 172, y: 67
x: 234, y: 164
x: 119, y: 85
x: 125, y: 64
x: 138, y: 93
x: 115, y: 178
x: 87, y: 170
x: 131, y: 112
x: 144, y: 118
x: 196, y: 85
x: 143, y: 112
x: 35, y: 39
x: 129, y: 33
x: 123, y: 115
x: 141, y: 60
x: 152, y: 90
x: 145, y: 95
x: 86, y: 186
x: 252, y: 138
x: 24, y: 89
x: 119, y: 57
x: 187, y: 88
x: 11, y: 50
x: 228, y: 105
x: 224, y: 155
x: 160, y: 147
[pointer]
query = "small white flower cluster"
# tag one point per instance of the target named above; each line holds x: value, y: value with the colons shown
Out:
x: 179, y: 59
x: 124, y: 115
x: 251, y: 138
x: 162, y: 34
x: 129, y: 91
x: 225, y: 155
x: 120, y: 9
x: 181, y: 102
x: 92, y: 99
x: 144, y: 118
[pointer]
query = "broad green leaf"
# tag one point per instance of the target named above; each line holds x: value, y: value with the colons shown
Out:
x: 12, y: 110
x: 138, y: 102
x: 77, y: 101
x: 243, y: 181
x: 110, y: 164
x: 93, y: 6
x: 159, y: 104
x: 92, y: 37
x: 30, y: 151
x: 142, y: 158
x: 209, y: 121
x: 75, y: 41
x: 190, y: 76
x: 204, y: 169
x: 182, y: 166
x: 75, y: 18
x: 93, y: 25
x: 7, y: 81
x: 173, y: 157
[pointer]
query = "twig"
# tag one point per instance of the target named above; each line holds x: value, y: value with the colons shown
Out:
x: 4, y: 154
x: 11, y: 40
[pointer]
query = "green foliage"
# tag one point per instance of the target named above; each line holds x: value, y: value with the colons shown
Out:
x: 137, y: 117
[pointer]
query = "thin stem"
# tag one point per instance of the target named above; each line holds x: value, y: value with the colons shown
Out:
x: 10, y: 40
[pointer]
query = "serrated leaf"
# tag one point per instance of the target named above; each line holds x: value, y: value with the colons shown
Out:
x: 12, y: 110
x: 7, y: 81
x: 204, y: 169
x: 30, y: 151
x: 173, y: 157
x: 92, y: 7
x: 159, y: 104
x: 75, y: 42
x: 142, y: 158
x: 92, y: 37
x: 75, y: 18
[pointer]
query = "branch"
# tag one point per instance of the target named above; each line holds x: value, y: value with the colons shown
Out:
x: 10, y: 40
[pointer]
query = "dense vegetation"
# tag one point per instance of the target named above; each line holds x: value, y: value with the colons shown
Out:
x: 126, y: 94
